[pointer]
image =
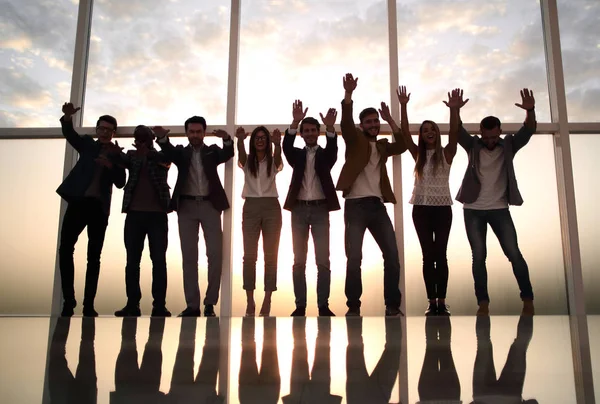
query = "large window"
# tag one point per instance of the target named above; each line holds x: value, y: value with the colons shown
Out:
x: 158, y: 62
x: 36, y: 58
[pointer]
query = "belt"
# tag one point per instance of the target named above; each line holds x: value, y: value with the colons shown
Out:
x: 195, y: 198
x: 312, y: 203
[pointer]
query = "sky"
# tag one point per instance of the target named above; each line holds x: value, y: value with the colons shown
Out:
x: 159, y: 62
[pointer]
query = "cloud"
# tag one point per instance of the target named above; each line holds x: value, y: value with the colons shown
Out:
x: 21, y: 91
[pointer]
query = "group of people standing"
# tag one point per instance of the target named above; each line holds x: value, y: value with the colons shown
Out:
x: 488, y: 188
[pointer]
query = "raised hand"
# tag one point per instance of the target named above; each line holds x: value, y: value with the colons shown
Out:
x: 329, y: 119
x: 241, y: 134
x: 276, y: 137
x: 350, y: 83
x: 160, y: 132
x: 385, y: 113
x: 297, y: 112
x: 527, y: 100
x: 69, y: 109
x: 402, y: 96
x: 113, y: 148
x: 455, y: 99
x: 221, y: 133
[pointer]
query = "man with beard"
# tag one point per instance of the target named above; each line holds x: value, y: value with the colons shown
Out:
x: 366, y: 187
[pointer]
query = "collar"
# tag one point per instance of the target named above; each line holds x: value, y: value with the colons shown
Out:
x: 311, y: 149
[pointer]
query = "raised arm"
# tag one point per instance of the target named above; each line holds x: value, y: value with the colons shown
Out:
x: 530, y: 125
x: 241, y: 135
x: 404, y: 98
x: 455, y: 103
x: 225, y: 153
x: 349, y: 132
x: 276, y: 139
x: 171, y: 152
x: 331, y: 149
x: 298, y: 114
x: 399, y: 144
x: 68, y: 131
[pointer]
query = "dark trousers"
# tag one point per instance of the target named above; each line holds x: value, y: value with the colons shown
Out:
x: 370, y: 214
x: 313, y: 219
x: 432, y: 224
x: 86, y: 212
x: 502, y: 225
x: 138, y: 225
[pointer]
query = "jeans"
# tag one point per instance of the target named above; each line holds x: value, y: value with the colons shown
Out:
x: 316, y: 220
x: 86, y: 212
x: 432, y: 224
x: 500, y: 221
x: 155, y: 226
x: 363, y: 214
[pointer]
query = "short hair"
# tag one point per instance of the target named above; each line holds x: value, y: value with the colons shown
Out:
x: 311, y: 121
x: 367, y: 111
x: 490, y: 122
x: 109, y: 119
x: 141, y: 130
x: 195, y: 119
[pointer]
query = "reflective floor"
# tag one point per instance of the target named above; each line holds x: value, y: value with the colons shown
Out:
x: 284, y: 360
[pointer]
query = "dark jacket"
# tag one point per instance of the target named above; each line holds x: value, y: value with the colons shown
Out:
x: 81, y: 176
x: 470, y: 188
x: 158, y: 170
x: 212, y: 156
x: 324, y: 160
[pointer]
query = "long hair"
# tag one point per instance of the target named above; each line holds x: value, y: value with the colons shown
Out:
x: 253, y: 159
x: 422, y: 151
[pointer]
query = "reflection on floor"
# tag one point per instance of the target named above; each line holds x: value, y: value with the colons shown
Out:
x: 284, y: 360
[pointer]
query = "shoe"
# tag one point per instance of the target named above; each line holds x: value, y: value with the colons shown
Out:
x: 393, y: 311
x: 299, y: 312
x: 528, y: 309
x: 160, y: 312
x: 189, y: 312
x: 442, y: 309
x: 89, y: 312
x: 129, y: 311
x: 209, y: 310
x: 67, y: 310
x: 353, y: 312
x: 484, y: 308
x: 325, y: 312
x: 431, y: 309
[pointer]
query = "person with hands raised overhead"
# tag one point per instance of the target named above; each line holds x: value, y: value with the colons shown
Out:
x: 261, y: 212
x: 88, y: 191
x: 199, y: 199
x: 311, y: 196
x: 366, y: 187
x: 431, y: 199
x: 488, y: 188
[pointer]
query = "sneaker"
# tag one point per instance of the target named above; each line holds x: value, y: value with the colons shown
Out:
x: 325, y: 312
x: 129, y: 311
x: 189, y: 312
x: 89, y: 312
x: 67, y: 310
x: 353, y: 312
x: 484, y: 308
x: 392, y: 311
x: 209, y: 310
x: 299, y: 312
x: 160, y: 312
x: 431, y: 309
x: 442, y: 309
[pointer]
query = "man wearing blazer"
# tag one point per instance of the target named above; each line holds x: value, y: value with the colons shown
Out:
x: 88, y: 191
x: 199, y: 199
x: 366, y: 186
x: 310, y: 198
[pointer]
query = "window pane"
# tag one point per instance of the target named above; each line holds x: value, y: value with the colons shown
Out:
x: 538, y: 231
x: 31, y: 170
x: 163, y: 60
x: 585, y: 168
x: 283, y: 302
x: 579, y: 33
x: 490, y: 49
x: 36, y: 59
x: 301, y: 50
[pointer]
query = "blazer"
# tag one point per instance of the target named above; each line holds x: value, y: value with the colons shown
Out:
x: 212, y: 156
x: 471, y: 186
x: 324, y: 160
x: 358, y: 154
x: 79, y: 179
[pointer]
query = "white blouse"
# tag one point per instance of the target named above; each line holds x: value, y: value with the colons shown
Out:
x: 261, y: 186
x: 433, y: 189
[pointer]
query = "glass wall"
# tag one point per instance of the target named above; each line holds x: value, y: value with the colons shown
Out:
x: 36, y: 59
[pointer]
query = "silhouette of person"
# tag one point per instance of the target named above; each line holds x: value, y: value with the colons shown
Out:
x: 438, y: 381
x: 377, y: 387
x: 316, y: 387
x: 202, y: 389
x: 63, y: 387
x: 141, y: 384
x: 508, y: 388
x: 263, y: 387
